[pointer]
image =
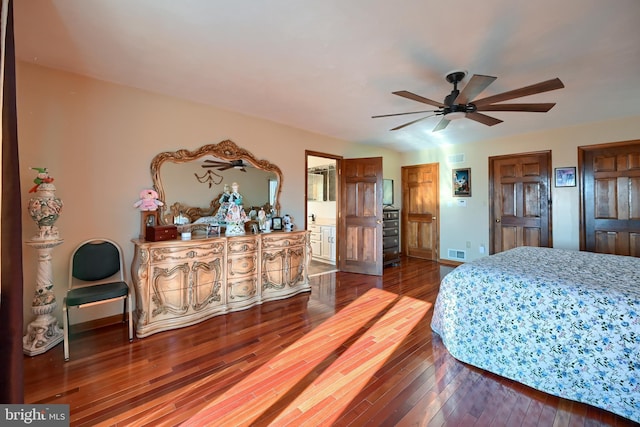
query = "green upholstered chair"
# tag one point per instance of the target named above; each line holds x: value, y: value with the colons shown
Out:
x: 96, y: 276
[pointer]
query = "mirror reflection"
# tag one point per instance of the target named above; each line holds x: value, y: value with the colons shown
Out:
x: 191, y: 183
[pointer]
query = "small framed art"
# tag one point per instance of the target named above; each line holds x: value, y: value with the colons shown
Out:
x: 276, y: 223
x: 462, y: 182
x: 565, y: 177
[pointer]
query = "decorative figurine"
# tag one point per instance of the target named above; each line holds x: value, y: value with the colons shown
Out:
x: 235, y: 196
x: 148, y: 201
x: 288, y: 224
x: 236, y: 216
x: 42, y: 178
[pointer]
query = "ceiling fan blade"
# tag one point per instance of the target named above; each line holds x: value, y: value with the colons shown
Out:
x: 484, y: 119
x: 443, y: 123
x: 477, y: 84
x: 542, y: 107
x: 216, y: 165
x: 402, y: 114
x: 413, y: 96
x: 412, y: 122
x: 545, y: 86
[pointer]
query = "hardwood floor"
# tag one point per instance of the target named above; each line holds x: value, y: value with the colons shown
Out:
x: 358, y: 350
x: 318, y: 267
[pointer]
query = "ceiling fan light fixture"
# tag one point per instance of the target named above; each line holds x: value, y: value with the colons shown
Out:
x: 455, y: 115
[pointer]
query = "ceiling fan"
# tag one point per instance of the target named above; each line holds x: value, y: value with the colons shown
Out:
x: 223, y: 166
x: 458, y: 104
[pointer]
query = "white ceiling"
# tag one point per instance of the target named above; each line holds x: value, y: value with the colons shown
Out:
x: 327, y: 66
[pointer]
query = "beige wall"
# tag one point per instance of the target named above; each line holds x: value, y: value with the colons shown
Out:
x: 98, y: 140
x: 459, y: 225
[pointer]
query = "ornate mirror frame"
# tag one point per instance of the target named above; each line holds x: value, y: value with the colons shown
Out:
x: 226, y: 150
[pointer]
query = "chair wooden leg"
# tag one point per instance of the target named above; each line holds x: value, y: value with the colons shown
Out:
x: 65, y: 320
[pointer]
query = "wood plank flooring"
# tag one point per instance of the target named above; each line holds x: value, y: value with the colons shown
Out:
x: 357, y: 350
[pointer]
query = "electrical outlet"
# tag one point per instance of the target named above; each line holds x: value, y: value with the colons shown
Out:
x: 481, y: 249
x: 468, y: 245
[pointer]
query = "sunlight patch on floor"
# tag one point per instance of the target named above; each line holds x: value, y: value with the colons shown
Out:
x: 330, y: 393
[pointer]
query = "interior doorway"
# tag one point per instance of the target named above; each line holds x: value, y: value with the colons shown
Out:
x: 322, y: 207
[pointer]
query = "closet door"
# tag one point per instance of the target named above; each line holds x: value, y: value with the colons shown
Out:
x: 610, y: 181
x: 519, y: 201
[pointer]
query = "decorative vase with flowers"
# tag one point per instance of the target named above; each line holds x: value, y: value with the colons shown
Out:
x: 44, y: 208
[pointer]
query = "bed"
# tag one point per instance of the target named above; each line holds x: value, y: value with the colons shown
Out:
x: 563, y: 322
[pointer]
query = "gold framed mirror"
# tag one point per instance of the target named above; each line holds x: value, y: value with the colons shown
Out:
x: 191, y: 182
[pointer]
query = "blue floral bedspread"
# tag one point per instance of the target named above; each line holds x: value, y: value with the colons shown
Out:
x: 561, y: 321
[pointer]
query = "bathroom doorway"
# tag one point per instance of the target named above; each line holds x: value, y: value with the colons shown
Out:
x: 322, y: 205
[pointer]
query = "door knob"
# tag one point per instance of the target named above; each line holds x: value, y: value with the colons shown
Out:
x: 379, y: 221
x: 498, y: 220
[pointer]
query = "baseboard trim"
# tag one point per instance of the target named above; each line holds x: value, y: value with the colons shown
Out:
x: 97, y: 323
x: 449, y: 262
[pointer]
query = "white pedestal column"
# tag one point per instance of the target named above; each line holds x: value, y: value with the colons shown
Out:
x: 43, y: 333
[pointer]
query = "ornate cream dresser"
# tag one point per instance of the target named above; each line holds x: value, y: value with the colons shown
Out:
x: 180, y: 283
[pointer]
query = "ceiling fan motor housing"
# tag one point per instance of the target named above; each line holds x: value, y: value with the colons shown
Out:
x: 454, y: 78
x: 460, y: 108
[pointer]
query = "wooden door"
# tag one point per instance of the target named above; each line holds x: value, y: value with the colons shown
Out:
x: 610, y: 198
x: 420, y: 206
x: 360, y: 242
x: 519, y: 187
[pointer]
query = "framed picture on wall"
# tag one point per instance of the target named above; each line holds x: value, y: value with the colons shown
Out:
x: 565, y: 177
x: 462, y: 182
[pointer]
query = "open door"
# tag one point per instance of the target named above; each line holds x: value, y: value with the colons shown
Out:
x: 360, y: 230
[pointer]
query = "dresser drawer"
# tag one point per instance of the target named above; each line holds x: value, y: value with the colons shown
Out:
x: 242, y: 265
x: 391, y: 256
x: 391, y: 214
x: 242, y: 289
x: 390, y: 223
x: 283, y: 240
x: 239, y: 246
x: 390, y: 242
x: 181, y: 253
x: 388, y: 232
